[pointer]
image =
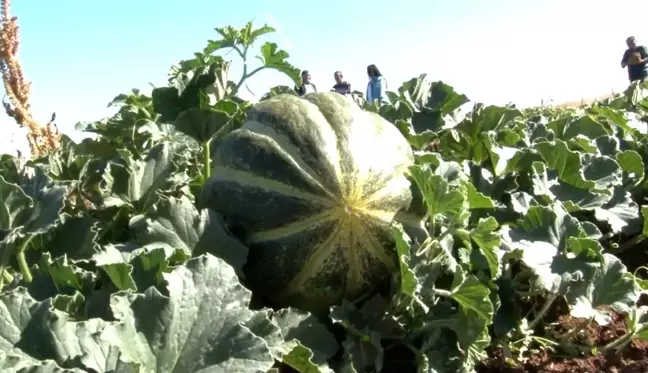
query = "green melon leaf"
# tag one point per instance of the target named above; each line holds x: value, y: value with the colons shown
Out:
x: 300, y: 358
x: 141, y: 180
x: 75, y: 238
x: 642, y: 318
x: 177, y: 222
x: 59, y: 276
x: 309, y: 344
x: 585, y: 248
x: 473, y: 296
x: 500, y: 156
x: 408, y: 282
x: 631, y: 162
x: 521, y: 202
x: 149, y: 265
x: 475, y: 350
x: 10, y: 168
x: 615, y: 116
x: 232, y: 37
x: 34, y: 207
x: 618, y: 210
x: 551, y: 225
x: 603, y: 170
x: 202, y: 124
x: 481, y: 120
x: 485, y: 236
x: 11, y: 363
x: 16, y: 205
x: 198, y: 327
x: 274, y: 58
x: 540, y: 182
x: 442, y: 201
x: 433, y: 103
x: 584, y: 125
x: 68, y: 163
x: 132, y: 267
x: 488, y: 185
x: 169, y: 103
x: 567, y: 163
x: 476, y: 199
x: 70, y: 304
x: 582, y: 143
x: 607, y: 145
x: 609, y: 285
x: 34, y: 335
x: 112, y: 263
x: 452, y: 172
x: 367, y: 325
x: 432, y: 96
x: 365, y: 352
x: 541, y: 237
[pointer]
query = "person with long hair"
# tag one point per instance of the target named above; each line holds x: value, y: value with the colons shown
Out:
x: 377, y: 84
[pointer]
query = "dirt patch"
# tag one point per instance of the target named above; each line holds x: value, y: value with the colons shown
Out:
x: 632, y: 359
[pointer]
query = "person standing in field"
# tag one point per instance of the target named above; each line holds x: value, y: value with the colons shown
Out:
x: 341, y: 86
x: 635, y: 58
x: 377, y: 84
x: 306, y: 86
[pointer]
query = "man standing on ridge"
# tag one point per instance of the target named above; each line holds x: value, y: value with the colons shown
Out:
x: 341, y: 86
x: 306, y: 86
x: 636, y: 59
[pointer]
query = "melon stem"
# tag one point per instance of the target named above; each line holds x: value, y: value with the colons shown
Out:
x: 206, y: 161
x: 22, y: 262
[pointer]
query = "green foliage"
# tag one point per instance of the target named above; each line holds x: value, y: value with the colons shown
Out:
x: 107, y: 265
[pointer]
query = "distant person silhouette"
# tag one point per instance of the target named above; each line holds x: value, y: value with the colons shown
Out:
x: 306, y: 86
x: 341, y: 86
x: 377, y: 84
x: 636, y: 59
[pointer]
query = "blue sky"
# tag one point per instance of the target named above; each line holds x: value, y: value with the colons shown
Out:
x: 80, y: 54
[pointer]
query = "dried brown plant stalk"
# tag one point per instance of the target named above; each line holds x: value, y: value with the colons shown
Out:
x: 41, y: 138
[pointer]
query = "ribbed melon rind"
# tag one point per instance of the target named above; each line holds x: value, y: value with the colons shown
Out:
x: 313, y: 183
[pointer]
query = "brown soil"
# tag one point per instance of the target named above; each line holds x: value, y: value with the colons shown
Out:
x: 632, y: 359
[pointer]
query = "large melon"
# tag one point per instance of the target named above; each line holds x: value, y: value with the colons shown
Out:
x: 312, y: 185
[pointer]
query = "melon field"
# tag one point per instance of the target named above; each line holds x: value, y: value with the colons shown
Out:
x: 197, y: 232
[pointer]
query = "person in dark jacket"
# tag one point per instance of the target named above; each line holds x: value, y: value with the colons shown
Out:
x: 306, y: 86
x: 635, y: 58
x: 341, y: 86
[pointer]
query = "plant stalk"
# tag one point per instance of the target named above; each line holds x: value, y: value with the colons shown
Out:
x: 6, y: 278
x: 617, y: 343
x: 206, y: 161
x: 622, y: 341
x: 543, y: 311
x: 442, y: 293
x: 22, y: 262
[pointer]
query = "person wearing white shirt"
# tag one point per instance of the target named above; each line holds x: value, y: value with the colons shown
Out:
x: 307, y: 86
